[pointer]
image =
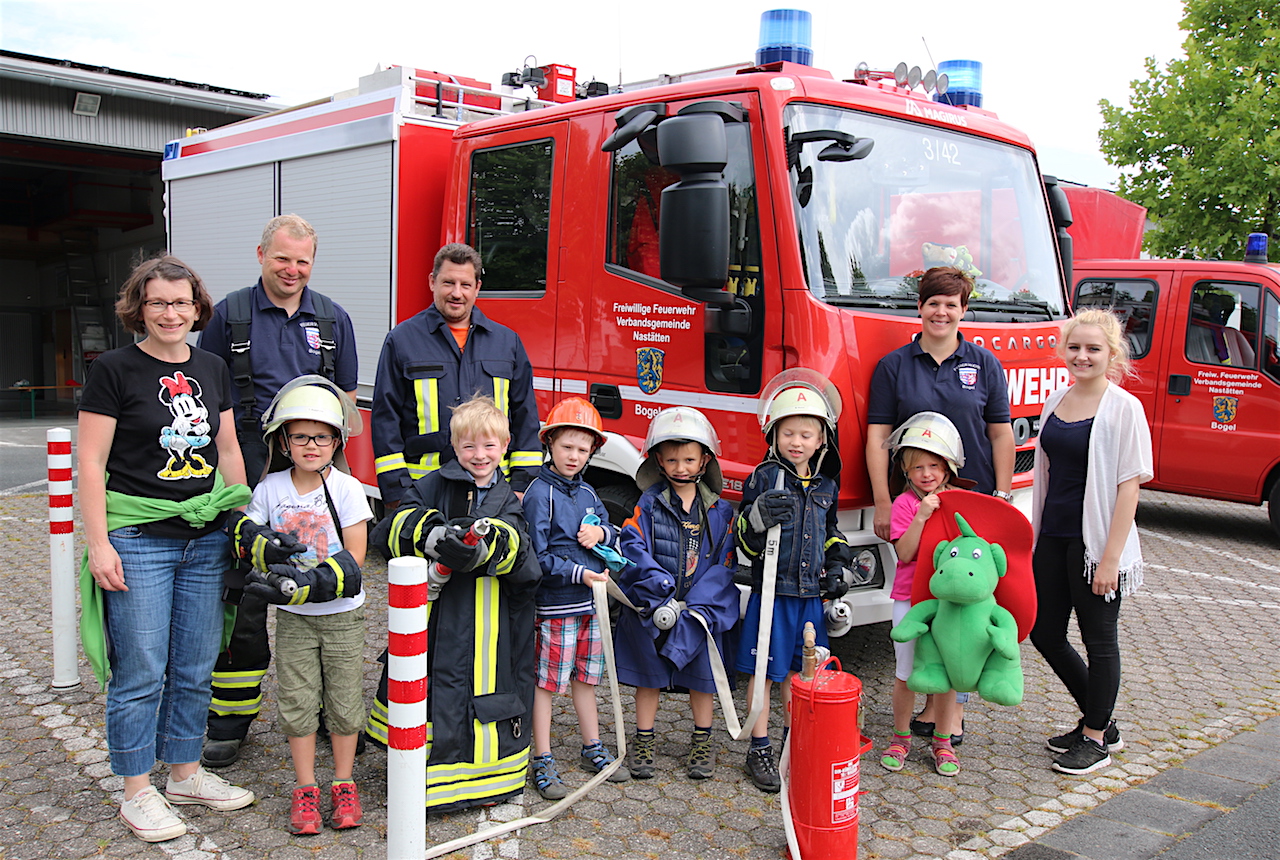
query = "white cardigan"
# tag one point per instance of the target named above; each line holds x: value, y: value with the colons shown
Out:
x: 1119, y: 449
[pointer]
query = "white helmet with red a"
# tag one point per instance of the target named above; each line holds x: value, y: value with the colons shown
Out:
x: 680, y: 424
x: 801, y: 391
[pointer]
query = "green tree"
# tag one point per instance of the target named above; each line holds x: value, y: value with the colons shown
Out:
x: 1201, y: 137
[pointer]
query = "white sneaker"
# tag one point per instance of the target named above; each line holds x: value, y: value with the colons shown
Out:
x: 208, y: 789
x: 151, y: 817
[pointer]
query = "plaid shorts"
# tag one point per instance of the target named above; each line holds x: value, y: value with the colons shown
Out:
x: 569, y: 646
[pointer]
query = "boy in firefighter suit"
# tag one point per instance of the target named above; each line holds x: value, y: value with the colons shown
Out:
x: 680, y: 544
x: 796, y: 488
x: 571, y: 535
x: 320, y: 616
x: 480, y: 636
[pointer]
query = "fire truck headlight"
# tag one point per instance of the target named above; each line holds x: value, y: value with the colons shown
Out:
x: 865, y: 567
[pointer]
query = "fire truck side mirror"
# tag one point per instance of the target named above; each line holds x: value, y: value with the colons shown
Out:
x: 1060, y: 212
x: 693, y: 221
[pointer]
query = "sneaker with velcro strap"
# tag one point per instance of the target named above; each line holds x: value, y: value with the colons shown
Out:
x: 595, y: 758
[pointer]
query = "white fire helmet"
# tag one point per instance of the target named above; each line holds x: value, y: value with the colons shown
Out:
x: 310, y: 398
x: 928, y: 431
x: 680, y: 424
x: 801, y: 391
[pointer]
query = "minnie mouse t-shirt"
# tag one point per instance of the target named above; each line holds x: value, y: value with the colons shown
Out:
x: 167, y: 420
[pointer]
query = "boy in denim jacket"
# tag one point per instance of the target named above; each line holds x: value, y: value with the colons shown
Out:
x: 796, y: 488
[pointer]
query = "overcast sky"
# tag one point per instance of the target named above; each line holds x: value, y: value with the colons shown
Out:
x: 1042, y: 74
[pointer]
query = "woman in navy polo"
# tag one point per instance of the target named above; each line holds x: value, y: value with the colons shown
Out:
x: 940, y: 371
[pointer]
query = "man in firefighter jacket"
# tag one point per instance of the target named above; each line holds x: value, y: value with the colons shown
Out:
x: 431, y: 363
x: 268, y: 334
x: 434, y: 361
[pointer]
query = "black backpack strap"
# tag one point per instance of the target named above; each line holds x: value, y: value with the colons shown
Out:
x: 325, y: 321
x: 239, y: 317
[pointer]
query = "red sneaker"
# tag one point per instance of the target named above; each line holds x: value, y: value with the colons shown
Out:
x: 346, y: 806
x: 304, y: 815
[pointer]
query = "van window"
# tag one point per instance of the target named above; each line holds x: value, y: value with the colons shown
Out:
x: 1223, y: 328
x: 1271, y: 337
x: 1133, y: 301
x: 509, y: 213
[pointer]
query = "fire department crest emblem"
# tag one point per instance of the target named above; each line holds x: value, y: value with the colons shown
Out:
x: 1224, y: 409
x: 968, y: 374
x: 649, y: 362
x: 313, y: 336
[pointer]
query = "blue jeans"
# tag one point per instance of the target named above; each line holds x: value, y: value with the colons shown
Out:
x: 163, y: 636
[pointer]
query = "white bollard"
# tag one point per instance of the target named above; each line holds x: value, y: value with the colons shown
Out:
x: 62, y: 568
x: 406, y: 708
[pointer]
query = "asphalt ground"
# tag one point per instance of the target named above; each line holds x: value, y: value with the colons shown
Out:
x: 1200, y: 668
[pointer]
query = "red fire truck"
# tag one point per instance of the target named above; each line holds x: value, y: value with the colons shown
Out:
x: 604, y: 224
x: 1203, y: 335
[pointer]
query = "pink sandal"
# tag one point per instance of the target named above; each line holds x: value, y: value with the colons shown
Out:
x: 945, y: 761
x: 895, y: 756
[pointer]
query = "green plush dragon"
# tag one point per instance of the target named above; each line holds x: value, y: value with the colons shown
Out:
x: 965, y: 640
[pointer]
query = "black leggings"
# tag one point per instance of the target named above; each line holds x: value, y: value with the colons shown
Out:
x: 1060, y: 588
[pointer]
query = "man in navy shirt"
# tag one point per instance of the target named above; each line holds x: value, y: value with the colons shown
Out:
x: 290, y: 328
x: 285, y: 331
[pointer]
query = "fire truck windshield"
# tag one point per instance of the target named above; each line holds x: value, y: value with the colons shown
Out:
x: 922, y: 196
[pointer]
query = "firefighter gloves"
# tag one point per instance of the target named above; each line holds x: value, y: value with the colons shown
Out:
x: 454, y: 554
x: 336, y: 576
x: 833, y: 584
x: 278, y: 584
x: 260, y: 546
x: 771, y: 508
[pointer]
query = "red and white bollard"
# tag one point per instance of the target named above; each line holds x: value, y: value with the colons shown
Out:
x: 406, y: 708
x: 62, y: 567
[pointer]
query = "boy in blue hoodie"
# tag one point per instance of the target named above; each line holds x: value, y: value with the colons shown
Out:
x: 568, y: 529
x: 796, y: 488
x: 680, y: 545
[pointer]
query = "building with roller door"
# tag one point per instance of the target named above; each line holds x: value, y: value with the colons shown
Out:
x: 81, y: 202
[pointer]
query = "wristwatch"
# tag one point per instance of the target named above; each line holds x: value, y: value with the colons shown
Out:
x: 1001, y: 494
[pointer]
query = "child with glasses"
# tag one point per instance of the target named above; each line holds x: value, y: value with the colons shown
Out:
x: 320, y: 622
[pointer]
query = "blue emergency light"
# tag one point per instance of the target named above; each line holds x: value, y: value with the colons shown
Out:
x: 964, y: 82
x: 1255, y: 249
x: 785, y: 35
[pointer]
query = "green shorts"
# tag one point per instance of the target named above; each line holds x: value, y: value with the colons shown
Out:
x: 320, y: 659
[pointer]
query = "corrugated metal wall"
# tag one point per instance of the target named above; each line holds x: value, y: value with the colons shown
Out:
x: 216, y: 220
x: 42, y: 111
x: 347, y: 197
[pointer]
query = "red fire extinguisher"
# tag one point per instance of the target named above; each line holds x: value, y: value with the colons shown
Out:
x: 826, y: 744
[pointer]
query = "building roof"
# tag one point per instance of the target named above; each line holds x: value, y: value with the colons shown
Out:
x: 100, y: 79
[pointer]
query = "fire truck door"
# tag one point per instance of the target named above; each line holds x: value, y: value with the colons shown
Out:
x: 513, y: 203
x: 1141, y: 303
x: 1220, y: 411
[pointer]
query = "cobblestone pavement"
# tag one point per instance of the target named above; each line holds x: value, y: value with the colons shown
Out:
x: 1200, y: 665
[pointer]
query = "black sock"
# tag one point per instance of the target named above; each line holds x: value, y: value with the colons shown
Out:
x: 759, y: 743
x: 705, y: 731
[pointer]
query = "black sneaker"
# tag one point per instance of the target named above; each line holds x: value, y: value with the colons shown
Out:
x: 762, y: 769
x: 702, y: 758
x: 1085, y: 756
x: 1062, y: 743
x: 641, y: 755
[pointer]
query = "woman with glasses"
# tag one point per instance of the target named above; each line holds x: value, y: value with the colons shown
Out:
x: 159, y: 468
